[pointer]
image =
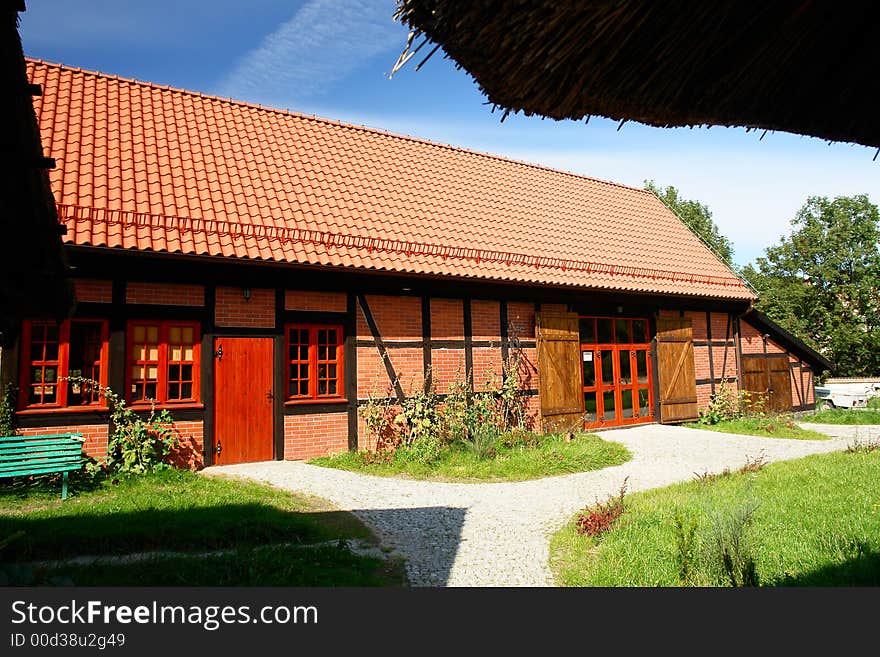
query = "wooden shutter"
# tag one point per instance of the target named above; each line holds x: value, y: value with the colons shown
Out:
x: 675, y: 370
x: 770, y: 377
x: 559, y: 376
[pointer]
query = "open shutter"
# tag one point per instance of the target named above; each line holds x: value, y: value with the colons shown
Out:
x: 675, y: 370
x: 559, y: 380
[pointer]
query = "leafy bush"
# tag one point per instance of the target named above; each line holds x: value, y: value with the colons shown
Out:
x: 425, y: 449
x: 729, y: 549
x: 136, y: 445
x: 725, y: 405
x: 597, y: 519
x: 686, y: 549
x: 8, y: 424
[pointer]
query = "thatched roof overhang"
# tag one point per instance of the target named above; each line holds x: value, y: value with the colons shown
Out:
x: 801, y: 66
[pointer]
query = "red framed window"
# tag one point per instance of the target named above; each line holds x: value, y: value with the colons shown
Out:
x: 53, y: 351
x: 315, y: 362
x: 163, y: 362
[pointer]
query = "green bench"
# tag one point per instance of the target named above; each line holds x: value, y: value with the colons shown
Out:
x: 34, y: 455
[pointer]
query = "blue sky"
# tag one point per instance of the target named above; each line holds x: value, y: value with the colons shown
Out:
x: 332, y: 58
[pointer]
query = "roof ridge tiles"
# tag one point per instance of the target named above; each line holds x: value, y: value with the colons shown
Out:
x: 334, y: 122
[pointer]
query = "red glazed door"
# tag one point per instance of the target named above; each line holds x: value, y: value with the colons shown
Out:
x: 243, y: 400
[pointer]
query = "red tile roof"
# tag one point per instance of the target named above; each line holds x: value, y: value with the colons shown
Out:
x: 145, y: 167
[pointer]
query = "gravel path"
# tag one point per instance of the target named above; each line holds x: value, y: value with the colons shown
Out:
x: 498, y: 534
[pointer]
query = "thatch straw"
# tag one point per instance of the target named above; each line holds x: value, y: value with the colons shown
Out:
x: 802, y: 66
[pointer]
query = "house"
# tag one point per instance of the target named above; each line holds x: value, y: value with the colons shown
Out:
x: 261, y: 273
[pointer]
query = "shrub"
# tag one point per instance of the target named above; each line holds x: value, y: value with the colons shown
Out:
x: 135, y: 445
x: 8, y: 424
x: 729, y: 547
x: 598, y: 519
x: 424, y: 449
x: 686, y: 549
x: 725, y: 405
x: 519, y: 438
x: 483, y: 441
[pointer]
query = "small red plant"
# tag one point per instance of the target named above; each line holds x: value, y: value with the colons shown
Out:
x: 597, y: 519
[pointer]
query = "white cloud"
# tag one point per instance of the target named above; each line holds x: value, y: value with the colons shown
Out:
x: 323, y: 42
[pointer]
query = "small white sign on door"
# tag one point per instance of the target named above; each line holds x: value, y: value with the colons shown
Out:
x: 588, y: 356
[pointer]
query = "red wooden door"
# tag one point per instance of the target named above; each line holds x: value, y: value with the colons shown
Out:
x: 243, y: 400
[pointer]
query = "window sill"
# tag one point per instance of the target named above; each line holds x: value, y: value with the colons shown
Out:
x: 49, y: 410
x: 167, y: 406
x: 325, y: 400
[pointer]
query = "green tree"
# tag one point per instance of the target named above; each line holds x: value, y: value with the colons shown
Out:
x: 697, y: 217
x: 821, y: 282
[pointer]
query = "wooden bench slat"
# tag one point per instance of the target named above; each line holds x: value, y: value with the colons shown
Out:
x: 37, y: 440
x: 69, y: 466
x: 8, y: 467
x: 4, y: 439
x: 19, y: 449
x: 42, y: 443
x: 41, y: 456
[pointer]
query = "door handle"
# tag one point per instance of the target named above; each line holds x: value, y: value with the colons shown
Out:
x: 219, y: 447
x: 270, y: 395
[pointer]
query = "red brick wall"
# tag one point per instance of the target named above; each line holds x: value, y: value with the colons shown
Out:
x: 308, y: 436
x: 447, y: 319
x: 521, y: 320
x: 172, y: 294
x: 372, y: 378
x: 88, y: 290
x: 315, y: 301
x: 487, y: 368
x: 447, y: 368
x: 191, y: 444
x: 95, y: 436
x: 398, y: 318
x: 233, y: 310
x: 752, y: 342
x: 486, y: 320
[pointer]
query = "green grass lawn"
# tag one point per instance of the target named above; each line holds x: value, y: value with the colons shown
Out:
x: 181, y: 511
x: 843, y: 416
x: 768, y: 427
x: 817, y: 523
x: 874, y: 403
x: 552, y: 456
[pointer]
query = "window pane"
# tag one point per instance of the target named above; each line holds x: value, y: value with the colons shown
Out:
x: 640, y: 331
x: 137, y: 372
x: 152, y: 372
x: 322, y: 336
x: 625, y: 376
x: 51, y: 331
x: 322, y: 371
x: 176, y: 352
x: 322, y: 353
x: 36, y: 375
x: 589, y: 366
x: 590, y: 406
x: 49, y: 374
x: 187, y: 335
x: 186, y: 372
x: 608, y: 405
x: 304, y: 352
x: 173, y: 391
x: 587, y: 328
x: 51, y: 351
x: 48, y: 395
x: 36, y: 350
x: 153, y: 352
x: 304, y: 387
x: 607, y: 367
x: 304, y: 371
x: 626, y: 402
x: 174, y: 372
x: 644, y: 408
x: 153, y: 334
x: 150, y: 391
x: 604, y: 330
x: 621, y: 331
x: 642, y: 366
x: 331, y: 337
x: 188, y: 352
x: 331, y: 370
x: 174, y: 335
x: 186, y: 391
x: 294, y: 371
x: 331, y: 386
x: 140, y: 333
x: 322, y: 387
